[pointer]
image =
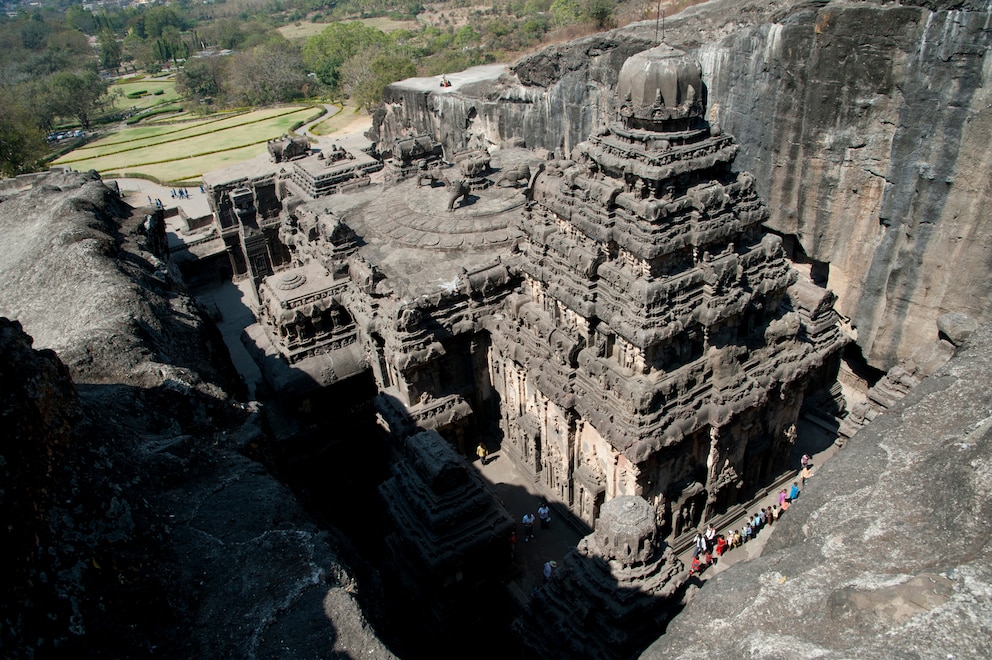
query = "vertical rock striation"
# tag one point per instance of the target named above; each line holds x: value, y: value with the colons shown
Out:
x: 866, y: 126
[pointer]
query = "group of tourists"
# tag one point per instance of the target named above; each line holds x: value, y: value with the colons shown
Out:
x: 181, y: 193
x: 543, y: 514
x: 710, y: 543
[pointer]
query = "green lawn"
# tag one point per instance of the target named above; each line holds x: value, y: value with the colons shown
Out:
x: 166, y: 84
x: 189, y: 170
x: 150, y: 135
x: 302, y: 30
x: 185, y: 151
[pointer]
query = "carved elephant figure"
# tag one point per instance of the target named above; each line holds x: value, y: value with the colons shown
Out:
x: 458, y: 189
x: 514, y: 177
x: 429, y: 175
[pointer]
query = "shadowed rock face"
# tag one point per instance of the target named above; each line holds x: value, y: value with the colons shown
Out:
x: 135, y: 523
x: 865, y: 125
x: 885, y: 553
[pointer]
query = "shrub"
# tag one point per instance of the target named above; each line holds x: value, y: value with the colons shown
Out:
x: 137, y: 94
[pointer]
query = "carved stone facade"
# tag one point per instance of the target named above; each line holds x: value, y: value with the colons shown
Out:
x: 328, y: 172
x: 246, y: 210
x: 611, y: 594
x: 623, y: 326
x: 660, y: 344
x: 452, y: 533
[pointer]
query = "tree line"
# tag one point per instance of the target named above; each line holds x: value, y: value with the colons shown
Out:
x: 55, y: 64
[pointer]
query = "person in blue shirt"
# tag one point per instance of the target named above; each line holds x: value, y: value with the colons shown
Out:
x: 794, y: 491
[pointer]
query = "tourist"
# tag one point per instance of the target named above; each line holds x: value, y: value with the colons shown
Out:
x: 710, y: 536
x: 804, y: 461
x: 721, y: 545
x: 737, y: 541
x: 794, y: 491
x: 544, y: 513
x: 482, y: 452
x: 700, y: 544
x: 549, y: 569
x: 776, y: 512
x: 528, y: 521
x: 782, y: 497
x: 806, y: 474
x: 747, y: 532
x: 697, y: 566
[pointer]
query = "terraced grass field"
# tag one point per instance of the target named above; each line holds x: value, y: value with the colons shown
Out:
x: 183, y: 151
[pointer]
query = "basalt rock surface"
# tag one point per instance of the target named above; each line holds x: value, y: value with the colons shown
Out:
x: 864, y: 123
x: 887, y: 551
x: 136, y: 522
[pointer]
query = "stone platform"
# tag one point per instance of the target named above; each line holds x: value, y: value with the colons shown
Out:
x: 418, y: 217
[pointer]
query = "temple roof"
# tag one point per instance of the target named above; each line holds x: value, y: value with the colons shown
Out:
x: 660, y: 84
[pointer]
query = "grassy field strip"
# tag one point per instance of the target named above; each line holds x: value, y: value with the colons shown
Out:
x: 110, y: 165
x: 132, y: 133
x: 188, y: 170
x: 144, y: 133
x: 178, y: 117
x: 208, y: 143
x: 189, y: 140
x: 177, y: 151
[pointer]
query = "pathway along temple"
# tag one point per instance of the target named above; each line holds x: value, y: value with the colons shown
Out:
x: 660, y: 344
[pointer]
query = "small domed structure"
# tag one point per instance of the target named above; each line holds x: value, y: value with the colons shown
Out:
x: 658, y: 86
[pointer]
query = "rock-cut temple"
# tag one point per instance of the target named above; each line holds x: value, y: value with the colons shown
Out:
x: 617, y: 322
x: 659, y: 343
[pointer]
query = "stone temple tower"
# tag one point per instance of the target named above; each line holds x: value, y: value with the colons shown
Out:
x: 611, y: 595
x: 660, y: 345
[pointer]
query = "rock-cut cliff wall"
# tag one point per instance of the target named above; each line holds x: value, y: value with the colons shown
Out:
x: 866, y: 125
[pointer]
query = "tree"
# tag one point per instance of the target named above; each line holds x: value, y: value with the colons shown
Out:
x: 201, y: 78
x: 22, y: 143
x: 80, y: 19
x: 367, y: 73
x: 599, y: 12
x: 565, y: 12
x: 270, y: 73
x: 138, y: 50
x: 157, y: 19
x: 324, y: 53
x: 110, y: 50
x: 77, y: 94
